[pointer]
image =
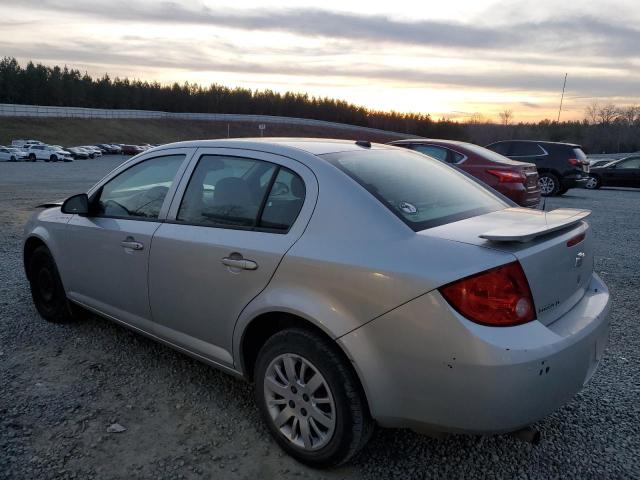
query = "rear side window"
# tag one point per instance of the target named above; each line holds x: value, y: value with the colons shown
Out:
x: 422, y: 192
x: 236, y: 192
x: 434, y: 152
x: 525, y: 149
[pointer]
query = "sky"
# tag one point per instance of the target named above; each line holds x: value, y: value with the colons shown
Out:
x: 451, y: 59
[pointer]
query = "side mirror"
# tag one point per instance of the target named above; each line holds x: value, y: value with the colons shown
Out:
x: 78, y: 204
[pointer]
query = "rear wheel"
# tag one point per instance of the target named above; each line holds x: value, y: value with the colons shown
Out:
x: 47, y: 290
x: 593, y: 183
x: 549, y: 184
x: 310, y: 399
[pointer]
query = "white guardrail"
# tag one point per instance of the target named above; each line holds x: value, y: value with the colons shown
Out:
x: 12, y: 110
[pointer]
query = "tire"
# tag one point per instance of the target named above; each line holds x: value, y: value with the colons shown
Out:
x: 344, y: 428
x: 549, y: 184
x: 47, y: 290
x: 53, y: 158
x: 32, y: 157
x: 594, y: 183
x: 13, y: 159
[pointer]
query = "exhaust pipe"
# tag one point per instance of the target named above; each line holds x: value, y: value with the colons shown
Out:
x: 527, y: 434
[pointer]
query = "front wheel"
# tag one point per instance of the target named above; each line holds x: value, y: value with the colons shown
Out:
x: 53, y: 158
x: 549, y: 184
x: 32, y: 157
x: 310, y: 398
x: 46, y: 288
x: 13, y: 159
x: 593, y: 183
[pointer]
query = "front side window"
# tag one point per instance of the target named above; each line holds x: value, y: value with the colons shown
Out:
x: 630, y: 163
x: 422, y: 192
x: 139, y: 191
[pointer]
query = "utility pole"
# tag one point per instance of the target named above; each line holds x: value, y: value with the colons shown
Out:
x: 562, y: 97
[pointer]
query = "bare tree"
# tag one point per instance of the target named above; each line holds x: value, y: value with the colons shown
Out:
x: 630, y: 114
x: 607, y: 114
x: 592, y: 112
x: 506, y: 116
x: 477, y: 118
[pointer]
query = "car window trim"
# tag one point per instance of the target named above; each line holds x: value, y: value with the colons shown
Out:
x: 254, y: 228
x: 132, y: 162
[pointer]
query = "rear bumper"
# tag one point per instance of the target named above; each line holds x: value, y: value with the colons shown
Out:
x: 575, y: 181
x: 424, y: 366
x: 520, y: 194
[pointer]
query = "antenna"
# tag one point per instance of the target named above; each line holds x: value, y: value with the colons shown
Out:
x: 562, y: 97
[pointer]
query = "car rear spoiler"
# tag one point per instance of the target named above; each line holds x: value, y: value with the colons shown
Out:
x: 532, y: 226
x: 50, y: 205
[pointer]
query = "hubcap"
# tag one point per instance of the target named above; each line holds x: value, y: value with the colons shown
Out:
x: 546, y: 185
x: 299, y: 401
x: 591, y: 183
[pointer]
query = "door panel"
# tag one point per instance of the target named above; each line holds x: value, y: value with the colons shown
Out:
x: 106, y: 275
x: 197, y: 282
x: 107, y: 265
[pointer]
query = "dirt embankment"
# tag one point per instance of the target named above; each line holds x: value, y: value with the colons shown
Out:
x: 80, y: 131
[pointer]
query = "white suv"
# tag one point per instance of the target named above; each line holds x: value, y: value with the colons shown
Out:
x: 47, y: 153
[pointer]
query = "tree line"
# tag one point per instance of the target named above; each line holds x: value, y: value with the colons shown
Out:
x: 605, y: 128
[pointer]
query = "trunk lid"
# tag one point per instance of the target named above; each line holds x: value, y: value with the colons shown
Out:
x: 557, y: 271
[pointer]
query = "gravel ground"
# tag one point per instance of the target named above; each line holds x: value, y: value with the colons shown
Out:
x: 62, y: 386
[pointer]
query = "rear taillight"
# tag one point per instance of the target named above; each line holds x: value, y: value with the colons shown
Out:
x: 508, y: 176
x: 499, y: 297
x: 576, y: 240
x: 575, y: 162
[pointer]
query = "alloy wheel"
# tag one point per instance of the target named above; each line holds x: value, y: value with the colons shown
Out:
x: 546, y: 184
x: 299, y: 401
x: 591, y: 183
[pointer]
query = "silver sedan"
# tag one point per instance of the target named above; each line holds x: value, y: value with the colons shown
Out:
x: 353, y: 284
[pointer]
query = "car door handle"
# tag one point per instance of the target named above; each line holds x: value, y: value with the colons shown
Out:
x: 132, y: 244
x: 239, y: 263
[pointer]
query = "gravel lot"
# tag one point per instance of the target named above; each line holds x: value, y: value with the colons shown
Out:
x: 61, y: 386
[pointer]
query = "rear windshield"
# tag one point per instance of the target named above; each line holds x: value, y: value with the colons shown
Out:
x: 421, y: 191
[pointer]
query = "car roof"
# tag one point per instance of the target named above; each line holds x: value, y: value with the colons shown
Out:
x: 543, y: 142
x: 314, y: 146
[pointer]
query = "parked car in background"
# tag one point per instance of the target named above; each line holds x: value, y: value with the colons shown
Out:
x: 515, y: 180
x: 561, y: 166
x: 428, y: 302
x: 24, y: 143
x: 93, y: 149
x: 48, y: 153
x: 78, y: 153
x: 600, y: 163
x: 619, y: 173
x: 107, y: 148
x: 11, y: 154
x: 131, y: 149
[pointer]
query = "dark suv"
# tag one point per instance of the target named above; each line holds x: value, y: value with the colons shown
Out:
x: 561, y: 166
